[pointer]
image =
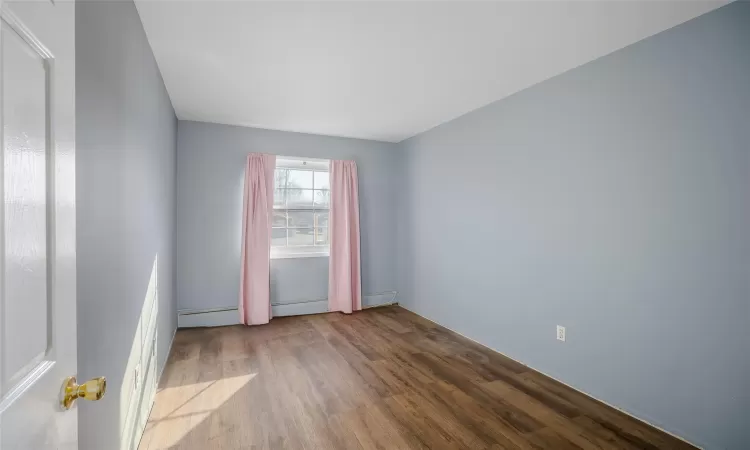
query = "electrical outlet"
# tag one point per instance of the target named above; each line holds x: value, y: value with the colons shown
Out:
x: 561, y: 333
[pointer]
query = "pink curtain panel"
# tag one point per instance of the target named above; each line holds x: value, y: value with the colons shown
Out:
x: 344, y: 271
x: 255, y: 289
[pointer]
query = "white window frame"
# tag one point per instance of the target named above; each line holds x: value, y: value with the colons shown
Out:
x: 313, y: 251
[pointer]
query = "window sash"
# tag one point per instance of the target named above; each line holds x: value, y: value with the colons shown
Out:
x: 318, y: 199
x: 319, y: 203
x: 299, y: 252
x: 324, y: 174
x: 313, y: 224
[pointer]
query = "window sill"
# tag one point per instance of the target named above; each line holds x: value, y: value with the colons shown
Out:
x: 300, y: 255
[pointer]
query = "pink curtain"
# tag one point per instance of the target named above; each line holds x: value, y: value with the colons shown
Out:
x: 255, y: 290
x: 344, y: 273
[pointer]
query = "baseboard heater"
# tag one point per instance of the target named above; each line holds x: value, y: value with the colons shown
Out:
x: 215, y: 317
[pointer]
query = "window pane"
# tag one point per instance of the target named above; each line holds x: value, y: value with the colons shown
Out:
x: 278, y: 237
x: 322, y: 180
x: 300, y: 219
x: 321, y: 236
x: 300, y: 179
x: 279, y: 219
x: 280, y: 177
x: 321, y: 219
x: 299, y: 198
x: 279, y: 198
x: 322, y: 199
x: 300, y: 237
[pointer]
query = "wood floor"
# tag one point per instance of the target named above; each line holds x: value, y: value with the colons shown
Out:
x: 383, y: 378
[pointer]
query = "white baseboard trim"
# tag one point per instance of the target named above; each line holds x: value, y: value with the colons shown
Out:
x: 217, y: 317
x: 207, y: 318
x: 300, y: 309
x: 558, y: 380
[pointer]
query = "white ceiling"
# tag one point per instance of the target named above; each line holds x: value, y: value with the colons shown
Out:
x: 379, y: 70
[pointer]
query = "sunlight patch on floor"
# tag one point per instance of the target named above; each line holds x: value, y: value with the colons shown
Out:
x: 195, y: 404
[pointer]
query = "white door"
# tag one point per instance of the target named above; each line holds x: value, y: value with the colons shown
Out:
x: 37, y: 224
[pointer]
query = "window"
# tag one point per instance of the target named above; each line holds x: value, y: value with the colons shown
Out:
x: 301, y: 199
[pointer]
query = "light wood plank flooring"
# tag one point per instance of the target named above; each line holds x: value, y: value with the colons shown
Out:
x: 383, y: 378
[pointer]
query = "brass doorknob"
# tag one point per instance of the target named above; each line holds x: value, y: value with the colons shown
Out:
x: 93, y: 390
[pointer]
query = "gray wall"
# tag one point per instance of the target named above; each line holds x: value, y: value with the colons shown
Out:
x: 613, y: 199
x: 126, y: 144
x: 210, y: 171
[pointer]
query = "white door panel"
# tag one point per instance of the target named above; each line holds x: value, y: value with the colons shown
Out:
x: 24, y: 74
x: 37, y: 224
